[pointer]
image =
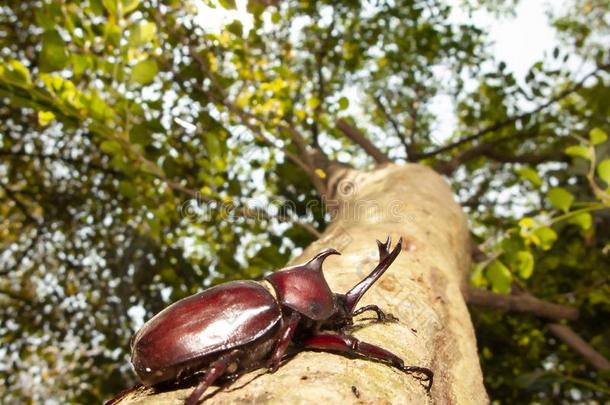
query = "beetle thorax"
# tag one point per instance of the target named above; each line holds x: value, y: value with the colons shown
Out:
x: 305, y: 291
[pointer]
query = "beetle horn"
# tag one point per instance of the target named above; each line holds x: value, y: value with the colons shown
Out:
x: 386, y: 259
x: 316, y: 262
x: 384, y: 248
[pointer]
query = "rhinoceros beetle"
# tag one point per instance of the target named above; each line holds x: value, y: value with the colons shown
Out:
x: 239, y: 326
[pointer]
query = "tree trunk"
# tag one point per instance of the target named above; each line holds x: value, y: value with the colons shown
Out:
x: 422, y: 288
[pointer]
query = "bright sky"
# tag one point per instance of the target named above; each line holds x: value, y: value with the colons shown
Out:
x: 522, y: 41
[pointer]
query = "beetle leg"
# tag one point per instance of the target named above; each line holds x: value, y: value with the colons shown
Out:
x: 216, y: 369
x: 350, y: 345
x: 381, y: 316
x: 284, y: 340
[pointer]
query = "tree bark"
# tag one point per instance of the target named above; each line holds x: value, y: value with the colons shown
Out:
x: 422, y: 288
x: 523, y: 303
x: 580, y: 346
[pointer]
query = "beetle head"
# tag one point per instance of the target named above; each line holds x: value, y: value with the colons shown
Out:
x: 304, y: 289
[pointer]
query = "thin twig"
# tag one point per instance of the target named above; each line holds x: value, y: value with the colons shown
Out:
x: 579, y: 345
x: 20, y: 205
x: 401, y: 136
x: 14, y: 296
x: 503, y: 123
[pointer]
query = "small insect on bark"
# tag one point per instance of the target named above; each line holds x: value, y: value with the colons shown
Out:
x: 230, y: 329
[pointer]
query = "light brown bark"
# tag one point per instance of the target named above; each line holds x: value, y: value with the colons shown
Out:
x: 580, y: 346
x: 523, y: 303
x: 422, y: 288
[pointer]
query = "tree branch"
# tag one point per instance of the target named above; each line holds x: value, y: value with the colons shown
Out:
x: 401, y: 136
x: 522, y: 303
x: 14, y: 296
x: 580, y: 346
x: 503, y: 123
x: 299, y: 141
x: 20, y: 205
x: 24, y: 253
x: 487, y: 149
x: 320, y: 60
x: 473, y: 201
x: 526, y: 303
x: 357, y: 137
x: 76, y: 163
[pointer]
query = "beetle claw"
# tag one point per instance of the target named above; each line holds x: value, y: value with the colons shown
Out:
x: 389, y: 318
x: 425, y: 374
x: 273, y: 367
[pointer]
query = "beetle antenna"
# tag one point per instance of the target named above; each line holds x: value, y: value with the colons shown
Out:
x: 353, y: 296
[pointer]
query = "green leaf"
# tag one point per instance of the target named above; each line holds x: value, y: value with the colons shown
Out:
x: 500, y: 277
x: 98, y: 109
x: 597, y: 136
x: 477, y: 278
x: 21, y: 71
x: 530, y: 175
x: 15, y: 73
x: 144, y: 72
x: 546, y: 236
x: 583, y: 220
x: 235, y: 28
x: 168, y: 275
x: 111, y: 147
x: 527, y: 222
x: 169, y: 166
x: 213, y: 147
x: 45, y: 117
x: 555, y: 52
x: 140, y: 134
x: 130, y: 5
x: 560, y: 198
x: 112, y: 34
x: 80, y: 63
x: 603, y: 170
x: 127, y: 6
x: 525, y: 264
x: 44, y: 18
x: 578, y: 151
x: 127, y: 189
x: 313, y: 102
x: 343, y: 103
x: 53, y: 53
x: 110, y: 6
x: 227, y: 4
x: 142, y: 33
